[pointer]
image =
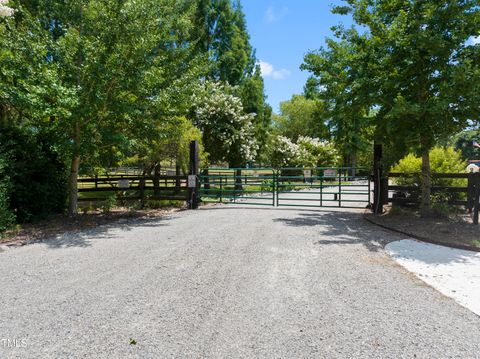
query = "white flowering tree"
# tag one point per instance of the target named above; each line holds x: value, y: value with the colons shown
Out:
x: 282, y: 152
x: 307, y: 152
x: 228, y: 132
x: 5, y: 11
x: 318, y: 153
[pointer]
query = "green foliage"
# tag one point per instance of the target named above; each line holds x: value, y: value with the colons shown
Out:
x: 463, y: 141
x: 440, y: 205
x: 111, y: 82
x: 7, y: 218
x: 228, y: 133
x: 220, y: 31
x: 411, y: 71
x: 307, y: 152
x: 37, y: 175
x: 251, y: 91
x: 301, y: 117
x: 171, y: 143
x: 155, y: 204
x: 443, y: 160
x: 345, y: 107
x: 109, y: 203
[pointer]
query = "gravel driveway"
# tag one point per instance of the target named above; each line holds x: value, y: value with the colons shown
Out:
x: 226, y: 282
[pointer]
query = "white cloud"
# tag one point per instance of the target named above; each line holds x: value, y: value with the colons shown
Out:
x: 269, y: 71
x: 273, y: 14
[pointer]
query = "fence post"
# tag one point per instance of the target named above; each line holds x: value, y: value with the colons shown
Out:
x: 340, y: 188
x: 273, y: 187
x: 377, y: 179
x: 193, y: 191
x: 142, y: 191
x: 476, y: 197
x: 221, y: 189
x: 177, y: 178
x: 471, y: 192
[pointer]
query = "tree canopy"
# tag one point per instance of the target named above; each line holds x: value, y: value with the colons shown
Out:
x: 111, y: 82
x: 409, y: 67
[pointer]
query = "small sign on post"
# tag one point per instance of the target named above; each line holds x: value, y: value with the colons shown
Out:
x: 330, y: 173
x: 123, y: 184
x: 192, y: 181
x: 307, y: 173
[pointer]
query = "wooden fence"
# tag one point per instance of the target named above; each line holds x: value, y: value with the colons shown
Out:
x: 131, y: 187
x: 467, y: 195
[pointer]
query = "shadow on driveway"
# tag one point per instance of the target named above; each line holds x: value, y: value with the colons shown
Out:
x: 82, y: 239
x: 341, y: 228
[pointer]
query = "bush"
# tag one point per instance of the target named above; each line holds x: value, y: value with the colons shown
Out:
x: 109, y: 203
x: 442, y: 160
x: 6, y: 216
x: 37, y: 175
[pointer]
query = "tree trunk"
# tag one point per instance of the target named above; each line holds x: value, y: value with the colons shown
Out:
x: 74, y: 166
x: 73, y: 198
x: 156, y: 180
x: 3, y: 116
x: 353, y: 171
x: 426, y: 182
x: 177, y: 177
x: 238, y: 180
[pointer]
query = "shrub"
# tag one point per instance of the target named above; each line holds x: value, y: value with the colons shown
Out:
x: 442, y: 160
x: 440, y: 205
x: 37, y: 175
x: 109, y: 203
x: 6, y: 216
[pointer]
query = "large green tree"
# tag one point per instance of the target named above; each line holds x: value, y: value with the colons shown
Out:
x: 415, y: 67
x: 108, y: 72
x: 228, y: 132
x: 301, y: 116
x: 221, y: 33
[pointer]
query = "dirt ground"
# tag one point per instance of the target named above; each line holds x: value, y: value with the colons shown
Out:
x: 457, y: 232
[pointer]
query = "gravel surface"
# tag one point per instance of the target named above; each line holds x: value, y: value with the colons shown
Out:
x: 226, y: 282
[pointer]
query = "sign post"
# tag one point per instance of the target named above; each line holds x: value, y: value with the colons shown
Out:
x: 193, y: 182
x: 378, y: 189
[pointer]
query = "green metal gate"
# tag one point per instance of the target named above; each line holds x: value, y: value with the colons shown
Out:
x: 238, y: 185
x: 292, y: 187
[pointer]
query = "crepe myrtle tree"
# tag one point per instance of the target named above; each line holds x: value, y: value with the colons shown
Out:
x: 228, y: 132
x: 305, y: 152
x: 5, y: 10
x: 282, y: 152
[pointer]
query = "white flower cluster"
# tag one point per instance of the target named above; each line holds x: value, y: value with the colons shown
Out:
x: 311, y: 142
x: 284, y: 152
x: 221, y: 113
x: 307, y: 152
x: 5, y: 11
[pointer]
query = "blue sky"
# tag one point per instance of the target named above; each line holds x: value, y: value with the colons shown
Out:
x: 282, y: 31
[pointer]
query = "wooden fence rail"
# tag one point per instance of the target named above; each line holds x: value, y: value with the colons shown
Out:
x: 131, y: 187
x: 409, y: 195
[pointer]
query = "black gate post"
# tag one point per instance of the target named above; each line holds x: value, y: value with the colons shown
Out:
x: 377, y: 179
x: 193, y: 188
x: 476, y: 205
